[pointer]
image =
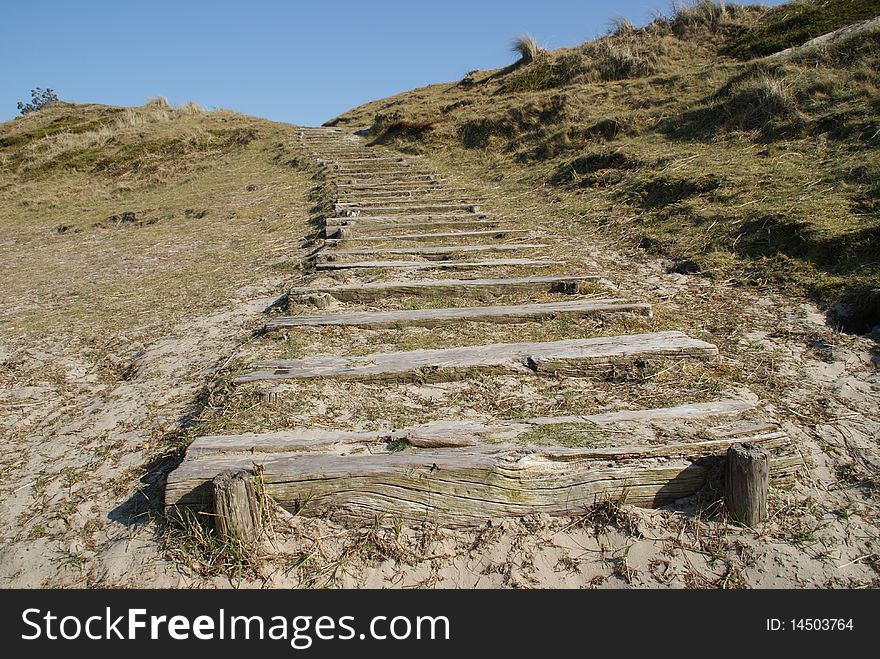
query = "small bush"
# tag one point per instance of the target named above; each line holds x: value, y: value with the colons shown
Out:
x: 40, y: 98
x: 543, y: 75
x: 528, y: 49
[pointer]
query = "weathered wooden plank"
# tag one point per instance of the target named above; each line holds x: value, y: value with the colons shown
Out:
x: 436, y: 317
x: 457, y: 486
x: 404, y: 199
x: 499, y: 286
x: 335, y: 232
x: 438, y: 265
x: 378, y: 230
x: 334, y: 161
x: 392, y: 176
x: 401, y: 220
x: 382, y: 185
x: 378, y: 171
x: 724, y: 406
x: 365, y: 159
x: 382, y: 192
x: 471, y: 433
x: 572, y: 356
x: 492, y: 233
x: 432, y: 251
x: 424, y: 207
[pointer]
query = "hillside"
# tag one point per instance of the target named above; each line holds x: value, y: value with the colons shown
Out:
x: 497, y: 332
x: 682, y: 138
x: 139, y: 245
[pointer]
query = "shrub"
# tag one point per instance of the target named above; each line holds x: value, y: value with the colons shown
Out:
x: 528, y: 49
x: 40, y: 98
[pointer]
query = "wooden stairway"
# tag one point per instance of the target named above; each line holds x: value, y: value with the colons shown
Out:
x: 391, y: 220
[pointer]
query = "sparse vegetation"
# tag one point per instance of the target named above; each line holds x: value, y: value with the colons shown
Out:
x: 528, y: 49
x: 759, y: 171
x: 794, y: 23
x: 688, y: 18
x: 146, y: 240
x: 82, y: 173
x: 40, y: 98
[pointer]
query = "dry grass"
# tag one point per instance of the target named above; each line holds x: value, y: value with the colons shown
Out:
x: 528, y: 49
x: 129, y: 220
x: 760, y: 172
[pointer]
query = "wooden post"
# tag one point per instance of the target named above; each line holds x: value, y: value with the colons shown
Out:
x: 746, y: 480
x: 236, y: 510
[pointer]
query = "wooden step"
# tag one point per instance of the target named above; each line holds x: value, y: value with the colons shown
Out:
x: 403, y: 176
x: 646, y: 426
x: 413, y: 193
x: 491, y: 233
x: 432, y: 251
x: 399, y: 170
x: 460, y: 287
x: 366, y: 159
x: 386, y: 186
x: 438, y: 265
x: 464, y: 485
x: 378, y: 231
x: 436, y: 317
x: 401, y: 219
x: 424, y: 207
x: 419, y: 199
x: 572, y: 357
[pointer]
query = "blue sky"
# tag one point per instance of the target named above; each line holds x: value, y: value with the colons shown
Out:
x: 302, y: 62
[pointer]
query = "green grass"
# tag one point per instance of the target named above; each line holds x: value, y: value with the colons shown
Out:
x: 797, y: 22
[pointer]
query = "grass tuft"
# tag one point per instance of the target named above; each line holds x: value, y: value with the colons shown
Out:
x: 621, y: 26
x: 528, y: 49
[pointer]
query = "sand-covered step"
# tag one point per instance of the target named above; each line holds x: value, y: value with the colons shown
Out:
x: 465, y: 486
x: 432, y: 252
x: 409, y: 199
x: 384, y: 228
x: 380, y: 185
x: 402, y: 219
x: 371, y: 291
x: 572, y: 357
x: 333, y: 162
x: 647, y: 430
x: 373, y: 176
x: 490, y: 233
x: 419, y: 200
x: 342, y: 162
x: 382, y: 231
x: 381, y: 193
x: 402, y: 170
x: 435, y: 317
x: 398, y: 209
x: 438, y: 265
